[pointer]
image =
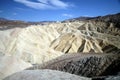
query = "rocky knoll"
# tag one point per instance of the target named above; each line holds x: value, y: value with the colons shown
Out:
x: 89, y: 65
x: 44, y: 75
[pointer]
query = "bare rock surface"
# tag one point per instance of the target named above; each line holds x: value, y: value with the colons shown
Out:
x: 89, y: 65
x: 44, y: 75
x: 40, y: 43
x: 113, y: 78
x: 6, y: 38
x: 21, y: 44
x: 10, y: 65
x: 89, y: 37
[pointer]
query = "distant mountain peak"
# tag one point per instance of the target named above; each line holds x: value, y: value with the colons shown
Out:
x: 2, y: 19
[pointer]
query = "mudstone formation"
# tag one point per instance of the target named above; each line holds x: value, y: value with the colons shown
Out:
x: 89, y: 48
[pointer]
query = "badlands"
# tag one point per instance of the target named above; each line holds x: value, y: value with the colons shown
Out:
x: 73, y: 49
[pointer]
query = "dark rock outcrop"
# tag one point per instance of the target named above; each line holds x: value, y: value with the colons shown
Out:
x: 89, y: 65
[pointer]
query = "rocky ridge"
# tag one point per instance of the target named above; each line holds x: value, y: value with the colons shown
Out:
x: 81, y: 64
x: 59, y: 38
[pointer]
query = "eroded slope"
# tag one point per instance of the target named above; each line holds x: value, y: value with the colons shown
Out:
x: 41, y: 43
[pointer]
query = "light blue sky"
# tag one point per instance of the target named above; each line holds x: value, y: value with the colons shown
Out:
x: 56, y: 10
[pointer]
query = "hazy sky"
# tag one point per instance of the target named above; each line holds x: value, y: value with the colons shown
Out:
x: 47, y: 10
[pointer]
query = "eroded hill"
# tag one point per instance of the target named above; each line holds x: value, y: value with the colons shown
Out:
x: 37, y: 44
